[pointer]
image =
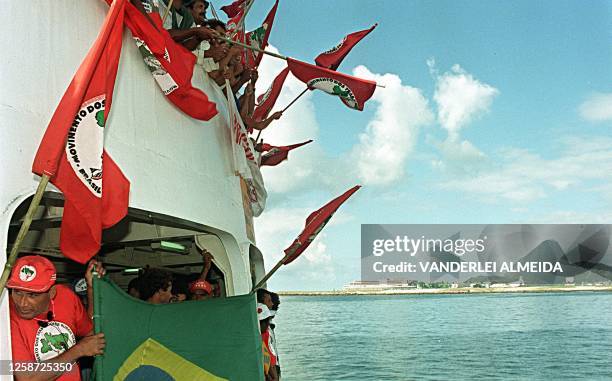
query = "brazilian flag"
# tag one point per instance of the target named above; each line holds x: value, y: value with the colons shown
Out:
x: 210, y: 340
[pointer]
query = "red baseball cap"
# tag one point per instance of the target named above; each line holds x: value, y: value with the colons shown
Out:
x: 200, y: 285
x: 32, y: 273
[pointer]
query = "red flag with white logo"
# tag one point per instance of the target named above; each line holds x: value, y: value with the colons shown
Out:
x: 72, y: 149
x: 352, y: 91
x: 332, y: 58
x: 259, y: 39
x: 236, y: 7
x: 314, y: 224
x: 171, y: 65
x: 266, y: 101
x: 274, y: 155
x: 234, y: 28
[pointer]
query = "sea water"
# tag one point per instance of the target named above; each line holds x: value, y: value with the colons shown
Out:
x: 552, y: 336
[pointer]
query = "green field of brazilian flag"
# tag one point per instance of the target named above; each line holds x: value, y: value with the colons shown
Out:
x: 212, y: 340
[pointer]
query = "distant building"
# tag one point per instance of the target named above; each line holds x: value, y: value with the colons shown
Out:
x: 372, y: 285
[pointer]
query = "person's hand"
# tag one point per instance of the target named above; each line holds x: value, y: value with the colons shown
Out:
x: 206, y: 256
x: 205, y: 33
x: 254, y: 76
x: 90, y: 269
x: 246, y: 75
x: 91, y: 345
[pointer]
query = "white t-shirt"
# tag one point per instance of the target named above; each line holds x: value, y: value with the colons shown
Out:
x: 272, y: 343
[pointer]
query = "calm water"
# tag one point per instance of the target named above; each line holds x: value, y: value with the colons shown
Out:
x: 446, y: 337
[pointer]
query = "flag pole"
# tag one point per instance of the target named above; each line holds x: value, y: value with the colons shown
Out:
x: 167, y: 11
x: 280, y: 56
x: 214, y: 12
x: 229, y: 40
x: 230, y: 98
x: 258, y: 135
x: 269, y: 274
x: 295, y: 99
x: 23, y: 230
x: 285, y: 109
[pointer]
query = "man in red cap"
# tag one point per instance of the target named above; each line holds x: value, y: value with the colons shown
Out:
x: 200, y: 290
x: 47, y: 319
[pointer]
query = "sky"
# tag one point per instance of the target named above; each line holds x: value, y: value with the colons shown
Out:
x: 492, y: 112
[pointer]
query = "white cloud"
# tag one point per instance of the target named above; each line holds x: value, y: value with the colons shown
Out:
x: 584, y: 164
x: 297, y: 124
x: 390, y: 137
x: 461, y: 98
x: 597, y: 108
x: 458, y: 155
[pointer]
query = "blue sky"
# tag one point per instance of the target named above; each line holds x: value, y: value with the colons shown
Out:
x: 494, y: 112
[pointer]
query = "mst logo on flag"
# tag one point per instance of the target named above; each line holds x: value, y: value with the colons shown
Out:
x: 353, y: 91
x: 334, y: 87
x: 85, y: 144
x: 71, y: 152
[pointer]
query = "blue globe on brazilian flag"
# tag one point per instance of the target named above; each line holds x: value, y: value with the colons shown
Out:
x: 210, y: 340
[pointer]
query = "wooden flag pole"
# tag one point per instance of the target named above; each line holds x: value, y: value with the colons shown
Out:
x: 280, y: 56
x: 229, y: 40
x: 230, y: 98
x: 268, y: 275
x: 23, y: 230
x: 214, y: 12
x: 167, y: 11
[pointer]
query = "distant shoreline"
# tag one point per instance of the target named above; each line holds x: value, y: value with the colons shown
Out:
x: 451, y: 291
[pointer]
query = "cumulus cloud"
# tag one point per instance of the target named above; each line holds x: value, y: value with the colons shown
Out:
x: 460, y: 99
x: 458, y: 155
x: 523, y: 176
x: 597, y: 108
x: 390, y: 137
x: 298, y: 124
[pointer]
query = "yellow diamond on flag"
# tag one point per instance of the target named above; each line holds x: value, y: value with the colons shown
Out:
x: 152, y: 361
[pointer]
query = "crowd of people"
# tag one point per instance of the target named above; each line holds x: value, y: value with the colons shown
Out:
x: 224, y: 62
x: 54, y: 322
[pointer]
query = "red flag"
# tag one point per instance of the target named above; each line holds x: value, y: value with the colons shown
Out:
x: 234, y: 8
x: 259, y: 39
x: 275, y: 155
x: 332, y: 58
x: 232, y: 29
x: 352, y: 91
x: 170, y: 64
x: 267, y: 100
x: 314, y: 224
x: 72, y: 149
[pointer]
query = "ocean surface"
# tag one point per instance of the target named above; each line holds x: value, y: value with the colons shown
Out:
x: 557, y: 336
